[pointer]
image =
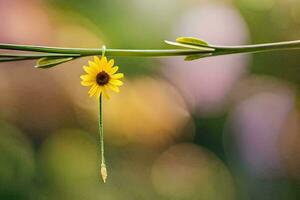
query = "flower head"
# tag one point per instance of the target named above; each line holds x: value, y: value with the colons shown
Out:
x: 101, y: 76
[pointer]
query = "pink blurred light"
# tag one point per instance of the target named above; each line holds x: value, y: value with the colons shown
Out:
x: 206, y: 83
x: 24, y: 22
x: 258, y: 126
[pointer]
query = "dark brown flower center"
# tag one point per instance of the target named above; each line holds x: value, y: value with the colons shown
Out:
x: 102, y: 78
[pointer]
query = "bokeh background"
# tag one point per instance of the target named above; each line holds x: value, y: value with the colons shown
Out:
x: 218, y: 128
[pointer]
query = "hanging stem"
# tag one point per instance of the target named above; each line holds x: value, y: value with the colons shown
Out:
x: 103, y: 169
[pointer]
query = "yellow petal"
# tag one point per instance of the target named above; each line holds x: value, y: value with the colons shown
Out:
x: 97, y: 60
x: 104, y: 91
x: 92, y: 64
x: 117, y: 76
x: 87, y: 83
x: 103, y: 62
x: 93, y: 90
x: 110, y: 64
x: 98, y: 92
x: 115, y: 82
x: 113, y: 70
x: 89, y: 70
x: 114, y: 88
x: 87, y: 77
x: 95, y: 67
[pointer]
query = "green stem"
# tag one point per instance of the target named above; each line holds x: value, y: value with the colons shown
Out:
x: 103, y: 170
x: 289, y: 45
x: 217, y: 50
x: 16, y: 57
x: 101, y: 130
x: 4, y: 55
x: 109, y: 52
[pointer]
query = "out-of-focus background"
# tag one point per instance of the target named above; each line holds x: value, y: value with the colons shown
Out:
x: 218, y: 128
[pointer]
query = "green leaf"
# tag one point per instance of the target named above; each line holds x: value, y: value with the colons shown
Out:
x: 192, y: 41
x: 197, y: 56
x: 204, y: 49
x: 51, y: 62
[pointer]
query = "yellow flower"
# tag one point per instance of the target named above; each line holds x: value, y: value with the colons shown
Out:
x: 101, y: 76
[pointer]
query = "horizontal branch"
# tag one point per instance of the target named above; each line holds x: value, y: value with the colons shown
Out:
x: 193, y: 48
x: 278, y: 46
x: 109, y: 52
x: 59, y: 51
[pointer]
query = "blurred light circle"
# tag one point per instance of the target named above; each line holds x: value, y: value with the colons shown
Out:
x: 17, y: 164
x: 35, y: 102
x: 205, y: 83
x: 257, y: 121
x: 146, y: 112
x: 25, y: 22
x: 289, y: 145
x: 69, y: 157
x: 216, y: 23
x: 187, y: 171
